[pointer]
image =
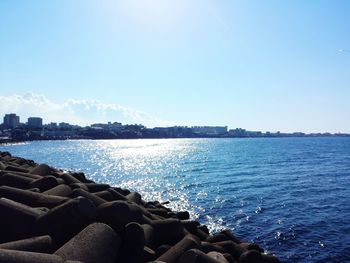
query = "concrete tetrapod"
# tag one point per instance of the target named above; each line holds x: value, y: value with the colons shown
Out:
x: 59, y: 190
x: 117, y: 214
x: 31, y: 198
x: 68, y: 219
x: 148, y: 231
x: 251, y: 256
x: 232, y: 248
x: 161, y: 250
x: 97, y: 243
x: 42, y: 244
x: 132, y: 248
x: 17, y: 220
x: 29, y: 175
x: 15, y: 180
x: 42, y: 169
x: 44, y: 183
x: 218, y: 256
x: 15, y: 168
x: 197, y: 256
x: 16, y: 256
x: 174, y: 253
x: 168, y: 231
x: 92, y: 197
x: 105, y: 195
x: 93, y: 187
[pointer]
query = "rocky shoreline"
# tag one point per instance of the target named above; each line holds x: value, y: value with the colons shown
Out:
x: 54, y: 216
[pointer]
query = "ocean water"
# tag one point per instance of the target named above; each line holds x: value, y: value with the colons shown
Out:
x: 289, y: 195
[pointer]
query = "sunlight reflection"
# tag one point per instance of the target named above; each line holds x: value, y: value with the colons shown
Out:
x: 154, y: 168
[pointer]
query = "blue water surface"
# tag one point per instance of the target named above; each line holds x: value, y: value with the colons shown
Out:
x: 289, y: 195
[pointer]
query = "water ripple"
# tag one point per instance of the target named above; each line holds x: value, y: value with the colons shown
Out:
x: 290, y: 195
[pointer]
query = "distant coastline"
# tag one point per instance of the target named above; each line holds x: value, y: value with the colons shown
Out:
x: 12, y: 130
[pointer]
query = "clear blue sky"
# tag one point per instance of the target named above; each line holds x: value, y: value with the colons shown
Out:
x: 260, y: 65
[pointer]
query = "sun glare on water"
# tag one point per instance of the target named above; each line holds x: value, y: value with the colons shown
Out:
x: 153, y: 167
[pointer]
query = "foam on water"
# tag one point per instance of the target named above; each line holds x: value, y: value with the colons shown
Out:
x: 290, y: 195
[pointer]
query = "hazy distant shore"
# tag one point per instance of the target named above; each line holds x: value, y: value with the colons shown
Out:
x: 11, y: 141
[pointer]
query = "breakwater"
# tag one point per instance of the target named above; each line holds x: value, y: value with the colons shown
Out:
x: 50, y: 215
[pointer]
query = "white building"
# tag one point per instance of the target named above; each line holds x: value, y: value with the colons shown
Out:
x: 209, y: 130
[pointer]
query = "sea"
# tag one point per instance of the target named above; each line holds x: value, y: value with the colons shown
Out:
x: 289, y: 195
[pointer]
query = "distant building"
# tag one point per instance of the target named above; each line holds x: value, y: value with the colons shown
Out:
x: 52, y: 126
x: 62, y: 134
x: 115, y: 126
x: 173, y: 132
x: 64, y: 125
x: 209, y: 130
x: 11, y: 120
x: 35, y: 122
x: 238, y: 132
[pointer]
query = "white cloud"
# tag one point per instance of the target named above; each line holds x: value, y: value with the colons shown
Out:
x: 74, y: 111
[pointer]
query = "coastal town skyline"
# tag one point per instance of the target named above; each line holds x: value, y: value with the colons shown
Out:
x: 261, y: 65
x: 74, y: 112
x: 35, y: 129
